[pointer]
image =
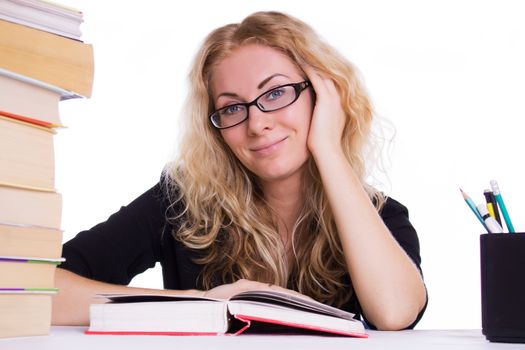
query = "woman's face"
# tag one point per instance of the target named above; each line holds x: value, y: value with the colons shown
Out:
x: 273, y: 144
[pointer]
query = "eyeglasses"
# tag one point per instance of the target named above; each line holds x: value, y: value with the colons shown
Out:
x: 272, y: 100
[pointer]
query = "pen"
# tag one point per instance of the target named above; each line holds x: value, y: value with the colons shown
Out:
x: 472, y: 207
x: 501, y: 203
x: 489, y: 197
x: 490, y: 210
x: 492, y: 224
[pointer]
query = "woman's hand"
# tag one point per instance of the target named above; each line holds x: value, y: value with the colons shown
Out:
x: 226, y: 291
x: 328, y: 118
x: 389, y: 287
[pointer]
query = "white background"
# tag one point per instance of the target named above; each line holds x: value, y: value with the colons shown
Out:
x: 449, y: 75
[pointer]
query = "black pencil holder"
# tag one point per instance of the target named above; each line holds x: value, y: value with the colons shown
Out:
x: 503, y: 287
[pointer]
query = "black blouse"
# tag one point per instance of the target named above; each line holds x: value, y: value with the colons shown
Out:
x: 138, y: 236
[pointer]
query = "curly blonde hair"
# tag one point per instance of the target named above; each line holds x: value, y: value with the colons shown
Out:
x: 226, y: 217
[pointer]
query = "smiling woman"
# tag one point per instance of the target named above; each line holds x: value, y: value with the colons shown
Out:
x: 271, y: 144
x: 267, y: 194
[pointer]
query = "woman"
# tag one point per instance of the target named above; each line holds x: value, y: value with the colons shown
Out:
x: 268, y: 190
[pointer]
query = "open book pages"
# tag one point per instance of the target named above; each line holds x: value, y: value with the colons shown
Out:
x: 255, y: 311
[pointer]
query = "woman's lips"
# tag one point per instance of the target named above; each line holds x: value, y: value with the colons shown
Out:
x: 268, y: 148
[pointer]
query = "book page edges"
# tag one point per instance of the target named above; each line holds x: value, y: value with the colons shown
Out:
x: 88, y: 332
x: 31, y: 188
x: 14, y: 224
x: 62, y: 62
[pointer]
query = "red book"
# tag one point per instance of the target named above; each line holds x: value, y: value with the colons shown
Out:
x: 254, y: 311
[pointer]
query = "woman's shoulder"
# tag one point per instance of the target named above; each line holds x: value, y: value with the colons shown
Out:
x: 160, y: 200
x: 396, y: 218
x: 392, y: 208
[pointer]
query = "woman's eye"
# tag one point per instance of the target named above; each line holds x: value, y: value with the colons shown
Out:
x: 232, y: 109
x: 275, y: 94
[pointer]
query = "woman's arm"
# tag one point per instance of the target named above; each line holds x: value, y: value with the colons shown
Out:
x: 71, y: 303
x: 75, y: 294
x: 114, y: 251
x: 388, y: 285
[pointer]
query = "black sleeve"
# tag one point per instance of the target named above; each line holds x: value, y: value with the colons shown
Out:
x: 128, y: 243
x: 395, y: 217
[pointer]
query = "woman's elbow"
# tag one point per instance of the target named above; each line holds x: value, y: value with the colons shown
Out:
x: 395, y: 321
x: 395, y: 318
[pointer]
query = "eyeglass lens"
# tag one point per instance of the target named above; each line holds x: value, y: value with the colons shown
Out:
x: 271, y: 100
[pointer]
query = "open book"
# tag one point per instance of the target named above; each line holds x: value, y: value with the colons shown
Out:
x: 254, y: 311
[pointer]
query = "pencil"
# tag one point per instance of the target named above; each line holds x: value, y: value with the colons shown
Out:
x: 501, y: 203
x: 472, y: 206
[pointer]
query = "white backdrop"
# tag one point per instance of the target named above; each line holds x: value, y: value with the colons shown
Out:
x: 448, y: 74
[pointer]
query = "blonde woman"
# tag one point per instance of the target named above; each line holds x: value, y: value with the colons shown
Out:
x: 268, y: 191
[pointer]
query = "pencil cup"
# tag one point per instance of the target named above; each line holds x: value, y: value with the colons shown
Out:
x: 503, y: 287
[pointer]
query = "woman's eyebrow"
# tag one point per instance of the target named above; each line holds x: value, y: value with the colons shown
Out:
x: 228, y: 94
x: 265, y: 81
x: 260, y: 86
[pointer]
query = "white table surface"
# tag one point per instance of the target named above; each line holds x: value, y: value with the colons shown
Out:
x: 74, y: 338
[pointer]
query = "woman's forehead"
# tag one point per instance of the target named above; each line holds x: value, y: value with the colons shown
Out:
x: 247, y: 66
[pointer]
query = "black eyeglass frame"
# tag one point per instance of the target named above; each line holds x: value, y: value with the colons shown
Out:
x: 298, y: 87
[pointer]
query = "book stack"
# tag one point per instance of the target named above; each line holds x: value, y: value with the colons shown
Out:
x: 42, y: 61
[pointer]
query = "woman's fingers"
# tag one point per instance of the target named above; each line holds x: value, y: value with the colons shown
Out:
x: 322, y: 85
x: 226, y: 291
x: 328, y: 117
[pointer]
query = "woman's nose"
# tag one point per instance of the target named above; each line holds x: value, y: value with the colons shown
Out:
x: 258, y: 121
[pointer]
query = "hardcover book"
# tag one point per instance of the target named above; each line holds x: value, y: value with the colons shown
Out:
x: 254, y: 311
x: 43, y: 15
x: 25, y: 312
x: 25, y: 101
x: 26, y: 240
x: 52, y: 59
x: 27, y: 272
x: 20, y: 206
x: 28, y: 159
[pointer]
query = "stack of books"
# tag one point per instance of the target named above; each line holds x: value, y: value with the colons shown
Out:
x: 39, y: 67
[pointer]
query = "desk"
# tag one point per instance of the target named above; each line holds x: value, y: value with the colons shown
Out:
x: 73, y: 338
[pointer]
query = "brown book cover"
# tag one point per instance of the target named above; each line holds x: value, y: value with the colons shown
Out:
x: 46, y: 57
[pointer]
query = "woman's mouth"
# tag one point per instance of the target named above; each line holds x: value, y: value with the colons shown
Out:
x: 268, y: 148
